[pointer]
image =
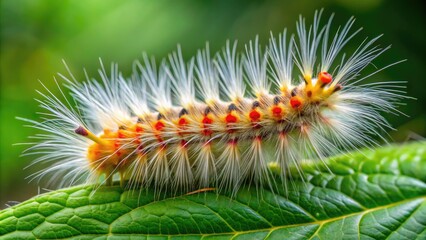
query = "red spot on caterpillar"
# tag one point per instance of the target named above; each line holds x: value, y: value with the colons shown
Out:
x: 183, y: 121
x: 139, y: 128
x: 230, y: 118
x: 207, y: 132
x: 138, y: 133
x: 233, y: 142
x: 182, y: 125
x: 159, y: 126
x: 117, y: 144
x: 207, y: 120
x: 295, y: 102
x: 277, y: 111
x: 81, y: 131
x: 121, y: 134
x: 118, y: 153
x: 309, y: 93
x: 325, y: 77
x: 254, y: 115
x: 183, y: 143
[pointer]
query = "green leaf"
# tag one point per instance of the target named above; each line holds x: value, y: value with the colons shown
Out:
x: 364, y: 195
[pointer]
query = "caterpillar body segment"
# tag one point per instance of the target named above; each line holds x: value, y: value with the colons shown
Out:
x: 218, y: 120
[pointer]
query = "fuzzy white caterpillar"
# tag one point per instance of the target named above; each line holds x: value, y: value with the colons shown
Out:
x: 216, y: 122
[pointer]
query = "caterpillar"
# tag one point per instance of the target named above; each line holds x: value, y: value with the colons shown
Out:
x: 217, y: 120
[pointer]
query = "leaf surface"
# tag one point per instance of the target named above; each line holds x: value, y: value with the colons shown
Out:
x: 369, y: 195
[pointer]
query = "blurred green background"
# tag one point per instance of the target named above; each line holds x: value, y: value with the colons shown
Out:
x: 37, y: 35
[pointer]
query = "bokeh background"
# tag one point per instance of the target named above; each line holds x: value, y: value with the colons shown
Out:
x: 37, y: 34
